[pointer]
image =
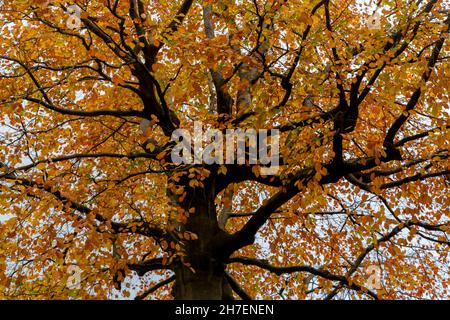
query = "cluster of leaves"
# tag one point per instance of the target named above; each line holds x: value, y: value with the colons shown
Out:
x: 364, y: 121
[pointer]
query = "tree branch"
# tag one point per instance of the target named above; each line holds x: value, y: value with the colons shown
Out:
x: 146, y: 266
x: 318, y: 272
x: 236, y: 287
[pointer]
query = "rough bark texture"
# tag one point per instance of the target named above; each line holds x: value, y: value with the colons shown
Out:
x: 208, y: 282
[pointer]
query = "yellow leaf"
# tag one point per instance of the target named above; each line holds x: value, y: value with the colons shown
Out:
x: 41, y: 166
x: 194, y: 236
x: 192, y: 183
x: 222, y: 170
x: 156, y: 42
x: 150, y: 146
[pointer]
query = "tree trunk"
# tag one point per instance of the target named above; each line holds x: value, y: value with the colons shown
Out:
x: 206, y: 284
x: 206, y: 280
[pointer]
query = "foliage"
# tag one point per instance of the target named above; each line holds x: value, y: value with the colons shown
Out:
x: 363, y: 111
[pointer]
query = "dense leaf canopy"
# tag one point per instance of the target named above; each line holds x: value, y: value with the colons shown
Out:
x: 362, y: 105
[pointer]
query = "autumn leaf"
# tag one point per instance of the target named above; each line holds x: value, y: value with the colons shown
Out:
x: 94, y: 121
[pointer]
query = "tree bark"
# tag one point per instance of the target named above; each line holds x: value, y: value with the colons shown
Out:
x: 208, y: 283
x: 206, y: 279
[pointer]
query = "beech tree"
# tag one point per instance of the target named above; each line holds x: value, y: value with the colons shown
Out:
x: 92, y: 91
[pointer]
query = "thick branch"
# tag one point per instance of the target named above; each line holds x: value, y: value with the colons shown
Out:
x: 236, y: 287
x: 398, y: 123
x: 146, y: 266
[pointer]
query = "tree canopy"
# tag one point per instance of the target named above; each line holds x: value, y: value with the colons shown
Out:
x: 91, y: 92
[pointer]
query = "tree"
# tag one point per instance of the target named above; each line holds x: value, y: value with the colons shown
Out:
x: 91, y: 94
